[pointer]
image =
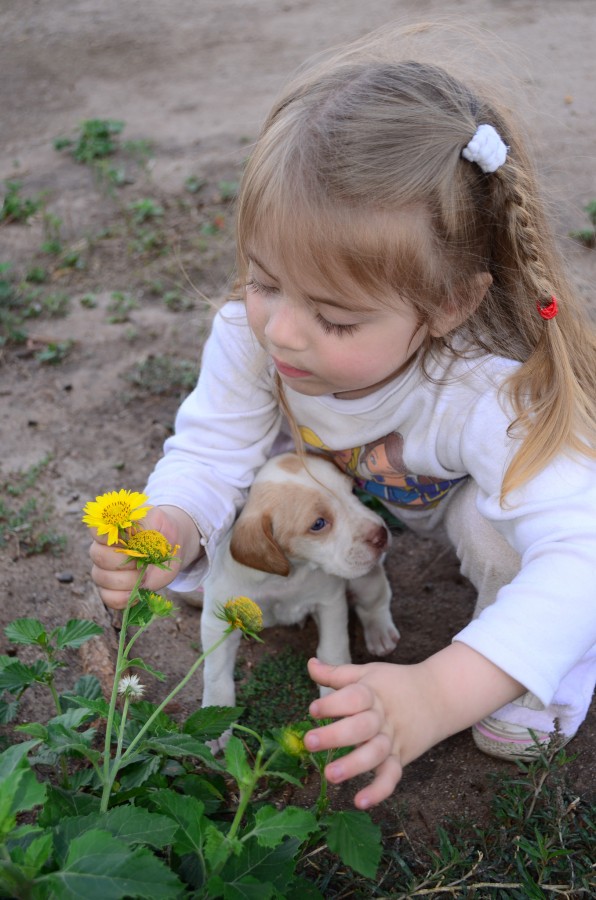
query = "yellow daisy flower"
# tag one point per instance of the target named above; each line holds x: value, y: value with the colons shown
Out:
x: 111, y: 513
x: 148, y: 546
x: 243, y: 613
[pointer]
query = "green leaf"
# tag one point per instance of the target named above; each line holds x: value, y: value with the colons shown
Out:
x: 139, y: 616
x: 75, y: 633
x: 16, y: 676
x: 272, y: 825
x: 356, y: 840
x: 61, y: 804
x: 8, y: 711
x: 138, y: 770
x: 88, y: 686
x: 37, y: 854
x: 99, y: 867
x: 98, y: 707
x: 237, y: 762
x: 13, y: 758
x: 211, y: 721
x: 142, y: 710
x: 130, y: 824
x: 26, y: 631
x: 139, y: 664
x: 218, y: 846
x: 181, y: 745
x: 35, y: 729
x: 267, y: 866
x: 187, y: 812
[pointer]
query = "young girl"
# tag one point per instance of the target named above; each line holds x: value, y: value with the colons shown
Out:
x: 406, y: 311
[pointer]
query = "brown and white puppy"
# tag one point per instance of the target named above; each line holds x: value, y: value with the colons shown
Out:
x: 301, y: 541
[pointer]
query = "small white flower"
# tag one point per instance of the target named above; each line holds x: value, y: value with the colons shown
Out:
x: 130, y: 686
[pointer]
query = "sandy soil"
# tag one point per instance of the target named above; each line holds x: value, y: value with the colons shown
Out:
x: 196, y: 78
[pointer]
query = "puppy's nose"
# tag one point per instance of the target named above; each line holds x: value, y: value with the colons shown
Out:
x: 378, y: 538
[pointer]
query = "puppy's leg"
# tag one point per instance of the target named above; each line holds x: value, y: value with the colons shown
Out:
x: 372, y: 595
x: 218, y: 671
x: 331, y: 617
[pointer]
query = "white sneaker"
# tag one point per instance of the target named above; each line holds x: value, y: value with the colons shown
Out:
x: 505, y: 740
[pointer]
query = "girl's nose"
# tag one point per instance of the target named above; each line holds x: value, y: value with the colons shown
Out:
x: 285, y: 324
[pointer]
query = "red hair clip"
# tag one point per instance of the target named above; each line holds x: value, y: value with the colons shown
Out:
x: 548, y: 310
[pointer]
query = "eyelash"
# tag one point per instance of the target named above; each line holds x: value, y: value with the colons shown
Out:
x: 328, y: 327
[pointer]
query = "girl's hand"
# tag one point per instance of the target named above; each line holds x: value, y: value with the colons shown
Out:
x: 115, y: 575
x: 395, y: 713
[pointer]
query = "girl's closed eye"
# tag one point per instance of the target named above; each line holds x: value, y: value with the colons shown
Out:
x: 335, y: 327
x: 259, y: 288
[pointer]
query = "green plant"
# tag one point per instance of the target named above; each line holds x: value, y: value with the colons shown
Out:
x: 193, y: 184
x: 24, y: 516
x: 120, y: 306
x: 16, y: 208
x: 97, y: 139
x: 158, y: 375
x: 144, y: 210
x: 587, y: 236
x: 228, y: 190
x: 57, y: 305
x: 155, y: 814
x: 55, y: 352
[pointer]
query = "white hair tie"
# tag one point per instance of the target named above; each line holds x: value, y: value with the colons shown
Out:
x: 486, y: 148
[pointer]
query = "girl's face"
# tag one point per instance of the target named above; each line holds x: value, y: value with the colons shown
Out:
x: 322, y: 345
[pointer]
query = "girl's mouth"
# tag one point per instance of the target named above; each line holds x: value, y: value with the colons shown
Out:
x: 290, y: 371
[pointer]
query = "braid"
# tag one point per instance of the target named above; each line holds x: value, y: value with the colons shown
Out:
x: 553, y: 391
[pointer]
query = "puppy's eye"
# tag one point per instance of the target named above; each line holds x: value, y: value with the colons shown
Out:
x: 319, y: 524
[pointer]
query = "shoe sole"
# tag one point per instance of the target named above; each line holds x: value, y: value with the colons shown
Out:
x: 501, y: 748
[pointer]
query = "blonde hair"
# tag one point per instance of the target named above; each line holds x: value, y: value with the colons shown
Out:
x: 358, y: 174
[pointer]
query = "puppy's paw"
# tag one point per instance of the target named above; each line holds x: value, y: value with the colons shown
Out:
x: 381, y: 637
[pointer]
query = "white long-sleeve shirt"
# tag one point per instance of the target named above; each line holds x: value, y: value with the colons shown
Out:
x: 409, y: 443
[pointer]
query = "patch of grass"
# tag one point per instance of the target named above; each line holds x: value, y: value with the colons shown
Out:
x: 97, y: 138
x: 16, y: 208
x: 159, y: 375
x: 538, y: 844
x: 144, y: 210
x: 24, y: 514
x: 228, y: 190
x: 120, y: 307
x: 55, y: 352
x: 56, y: 305
x: 277, y: 691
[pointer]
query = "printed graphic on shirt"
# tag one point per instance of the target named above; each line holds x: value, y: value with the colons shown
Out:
x: 378, y: 468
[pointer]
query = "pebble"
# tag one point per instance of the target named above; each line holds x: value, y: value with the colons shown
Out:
x: 65, y: 577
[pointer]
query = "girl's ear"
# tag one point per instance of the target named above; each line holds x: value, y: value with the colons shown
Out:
x: 468, y: 300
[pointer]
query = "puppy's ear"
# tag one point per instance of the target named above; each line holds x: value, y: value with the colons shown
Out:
x: 253, y: 545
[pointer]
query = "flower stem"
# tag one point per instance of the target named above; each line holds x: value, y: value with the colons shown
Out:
x: 108, y: 777
x: 172, y: 694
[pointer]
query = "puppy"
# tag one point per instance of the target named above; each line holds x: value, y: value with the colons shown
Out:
x: 301, y: 541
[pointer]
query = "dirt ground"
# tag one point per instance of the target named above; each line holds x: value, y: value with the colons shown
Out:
x: 195, y: 79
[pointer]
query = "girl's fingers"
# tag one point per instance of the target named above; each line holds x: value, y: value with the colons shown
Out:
x: 114, y: 599
x: 387, y: 776
x: 354, y: 729
x: 333, y: 676
x: 365, y: 758
x: 105, y: 557
x: 114, y: 579
x: 347, y: 701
